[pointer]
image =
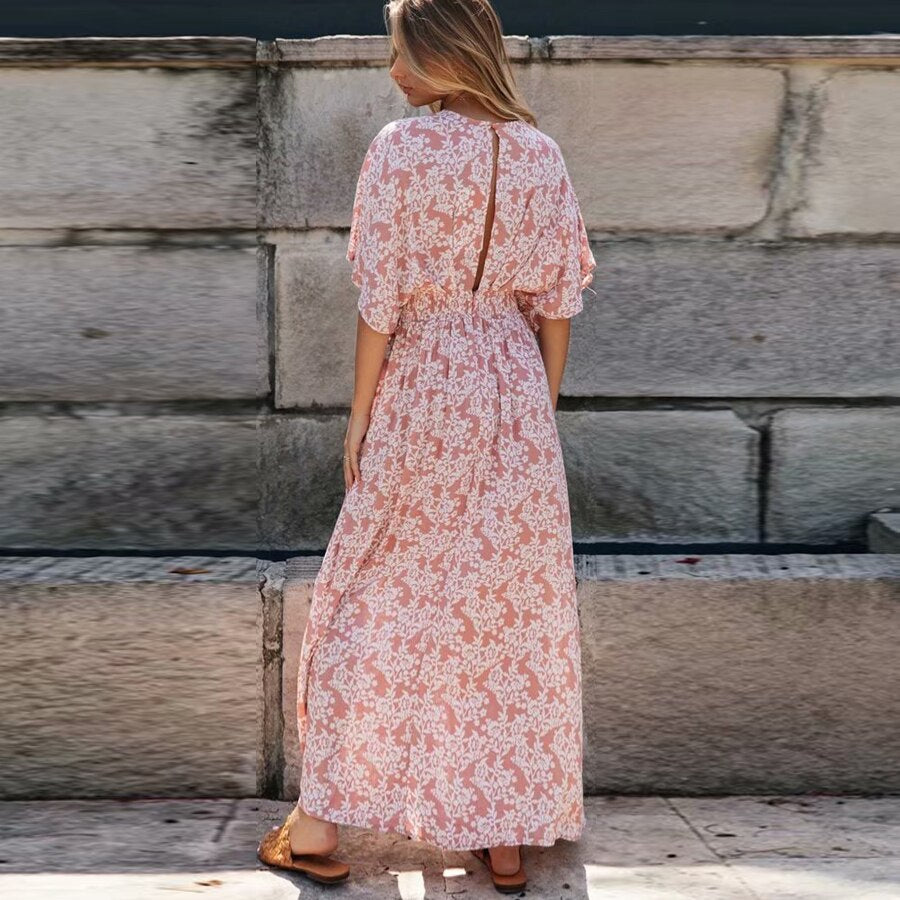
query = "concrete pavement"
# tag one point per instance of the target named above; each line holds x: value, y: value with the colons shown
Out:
x: 634, y: 848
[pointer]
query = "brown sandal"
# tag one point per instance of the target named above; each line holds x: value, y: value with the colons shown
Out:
x: 506, y: 884
x: 275, y: 850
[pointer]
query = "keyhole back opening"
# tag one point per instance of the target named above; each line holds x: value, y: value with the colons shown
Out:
x: 489, y: 214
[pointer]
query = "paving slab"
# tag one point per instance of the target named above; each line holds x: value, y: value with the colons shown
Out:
x: 795, y: 827
x: 800, y: 847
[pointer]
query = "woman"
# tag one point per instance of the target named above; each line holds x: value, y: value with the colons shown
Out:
x: 439, y: 687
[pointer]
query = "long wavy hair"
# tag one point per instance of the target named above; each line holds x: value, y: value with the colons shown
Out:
x: 456, y: 46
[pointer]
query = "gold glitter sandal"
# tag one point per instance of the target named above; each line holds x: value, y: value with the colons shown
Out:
x: 506, y: 884
x: 275, y: 850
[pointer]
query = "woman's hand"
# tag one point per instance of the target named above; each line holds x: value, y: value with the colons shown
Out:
x: 371, y: 347
x: 356, y: 432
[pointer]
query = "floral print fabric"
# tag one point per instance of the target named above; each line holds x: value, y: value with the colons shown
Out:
x: 439, y: 686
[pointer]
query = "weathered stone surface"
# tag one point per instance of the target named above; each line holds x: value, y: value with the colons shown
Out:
x: 128, y: 148
x: 658, y: 475
x: 145, y: 685
x: 830, y: 468
x: 138, y: 52
x: 270, y: 582
x: 880, y: 48
x: 652, y: 475
x: 670, y: 319
x: 316, y: 322
x: 316, y: 125
x: 301, y: 480
x: 883, y: 532
x: 96, y: 480
x: 693, y: 318
x: 734, y: 673
x: 741, y: 675
x: 349, y: 49
x: 126, y: 323
x: 818, y: 879
x: 797, y: 827
x: 300, y: 574
x: 633, y: 848
x: 662, y: 148
x: 707, y: 136
x: 852, y: 175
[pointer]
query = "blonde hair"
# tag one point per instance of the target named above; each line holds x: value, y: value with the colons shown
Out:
x: 456, y: 46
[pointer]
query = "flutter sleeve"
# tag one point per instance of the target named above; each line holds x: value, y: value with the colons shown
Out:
x: 377, y: 230
x: 564, y: 263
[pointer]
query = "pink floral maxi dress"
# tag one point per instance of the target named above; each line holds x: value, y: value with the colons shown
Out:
x: 439, y: 686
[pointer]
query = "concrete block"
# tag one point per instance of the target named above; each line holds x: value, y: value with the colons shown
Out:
x: 121, y: 678
x: 301, y: 481
x: 852, y: 177
x: 707, y: 136
x: 130, y: 323
x: 741, y: 674
x: 674, y: 319
x: 316, y: 124
x: 103, y: 480
x: 663, y: 147
x: 315, y: 312
x: 128, y: 148
x: 660, y: 475
x: 831, y: 468
x: 693, y: 318
x: 883, y: 532
x: 622, y: 484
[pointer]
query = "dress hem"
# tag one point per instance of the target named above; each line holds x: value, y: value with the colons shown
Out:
x: 565, y: 832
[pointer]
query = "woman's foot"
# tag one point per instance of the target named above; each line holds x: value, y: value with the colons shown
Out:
x: 311, y: 835
x: 308, y: 852
x: 505, y: 860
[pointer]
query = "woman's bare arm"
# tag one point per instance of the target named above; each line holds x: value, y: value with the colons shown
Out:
x: 553, y: 339
x: 370, y: 349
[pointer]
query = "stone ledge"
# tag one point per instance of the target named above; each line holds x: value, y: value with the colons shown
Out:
x: 119, y: 569
x: 737, y: 566
x: 121, y: 678
x: 202, y: 52
x: 665, y: 567
x: 755, y: 47
x: 738, y: 673
x: 372, y: 49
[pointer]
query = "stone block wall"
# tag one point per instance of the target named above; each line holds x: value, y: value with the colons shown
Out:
x: 178, y: 320
x: 177, y: 676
